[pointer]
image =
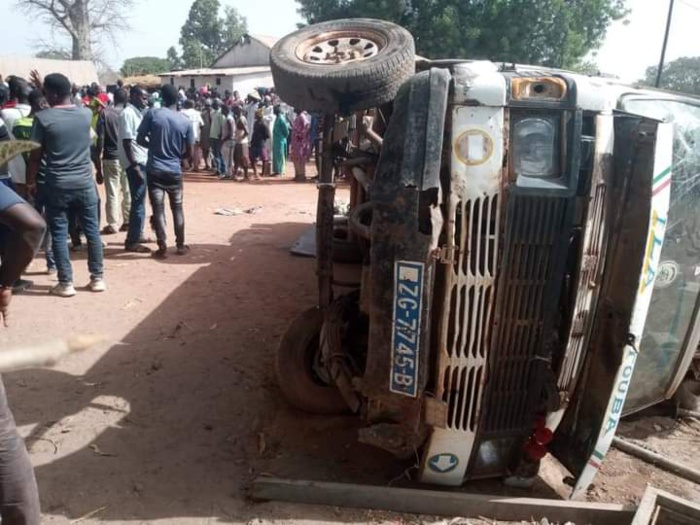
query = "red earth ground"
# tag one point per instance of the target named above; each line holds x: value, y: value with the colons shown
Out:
x: 171, y: 418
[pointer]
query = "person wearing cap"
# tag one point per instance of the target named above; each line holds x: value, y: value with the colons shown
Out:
x: 118, y: 206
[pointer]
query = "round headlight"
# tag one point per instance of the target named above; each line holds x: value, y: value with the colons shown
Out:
x: 535, y: 148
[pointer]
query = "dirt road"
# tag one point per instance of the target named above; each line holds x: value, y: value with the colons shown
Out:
x: 170, y: 420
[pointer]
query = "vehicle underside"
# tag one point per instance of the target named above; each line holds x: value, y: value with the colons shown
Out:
x: 497, y: 230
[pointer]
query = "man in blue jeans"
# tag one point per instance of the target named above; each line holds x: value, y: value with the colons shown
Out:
x: 169, y: 137
x: 64, y: 134
x: 215, y: 134
x: 21, y: 231
x: 133, y: 158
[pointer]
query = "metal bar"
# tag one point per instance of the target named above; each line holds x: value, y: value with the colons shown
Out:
x: 442, y: 503
x: 657, y: 459
x: 324, y: 217
x: 663, y: 49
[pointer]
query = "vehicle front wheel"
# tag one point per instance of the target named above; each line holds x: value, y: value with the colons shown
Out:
x: 300, y: 374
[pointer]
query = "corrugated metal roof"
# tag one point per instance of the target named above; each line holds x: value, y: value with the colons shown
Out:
x: 81, y: 72
x: 266, y: 40
x: 209, y: 71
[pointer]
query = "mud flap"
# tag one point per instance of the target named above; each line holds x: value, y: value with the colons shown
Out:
x: 643, y: 153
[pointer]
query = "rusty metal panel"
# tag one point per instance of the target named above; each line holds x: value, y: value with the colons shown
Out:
x: 473, y: 226
x: 592, y: 259
x: 533, y: 230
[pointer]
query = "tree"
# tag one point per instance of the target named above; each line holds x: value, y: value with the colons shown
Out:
x: 84, y: 21
x: 205, y: 35
x: 54, y: 53
x: 234, y: 27
x: 174, y: 60
x: 682, y: 75
x: 145, y: 66
x: 557, y: 33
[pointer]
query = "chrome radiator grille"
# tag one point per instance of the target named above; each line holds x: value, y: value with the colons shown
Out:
x: 466, y: 325
x: 534, y: 226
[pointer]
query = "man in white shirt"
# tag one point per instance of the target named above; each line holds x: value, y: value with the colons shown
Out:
x: 252, y: 104
x: 196, y: 120
x: 133, y: 158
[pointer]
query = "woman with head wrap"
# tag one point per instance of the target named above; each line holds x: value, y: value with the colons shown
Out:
x: 301, y: 144
x: 280, y: 134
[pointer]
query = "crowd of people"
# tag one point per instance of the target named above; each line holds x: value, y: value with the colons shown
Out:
x: 233, y: 135
x: 136, y: 142
x: 133, y: 141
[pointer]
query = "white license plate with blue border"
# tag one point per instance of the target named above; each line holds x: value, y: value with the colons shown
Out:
x: 405, y: 344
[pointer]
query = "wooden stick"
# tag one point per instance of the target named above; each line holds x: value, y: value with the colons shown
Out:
x: 432, y: 502
x: 44, y: 354
x: 656, y: 459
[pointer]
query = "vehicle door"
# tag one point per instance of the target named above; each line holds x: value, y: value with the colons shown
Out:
x: 642, y: 156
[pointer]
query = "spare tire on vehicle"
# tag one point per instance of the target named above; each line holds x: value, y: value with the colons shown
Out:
x: 342, y: 66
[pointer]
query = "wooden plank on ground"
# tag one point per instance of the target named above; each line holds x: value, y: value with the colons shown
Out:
x: 439, y: 503
x: 659, y: 506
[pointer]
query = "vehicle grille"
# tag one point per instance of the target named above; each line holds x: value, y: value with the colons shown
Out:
x: 585, y: 291
x: 533, y: 228
x: 468, y: 317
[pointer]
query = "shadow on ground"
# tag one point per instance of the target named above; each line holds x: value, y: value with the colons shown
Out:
x: 190, y: 404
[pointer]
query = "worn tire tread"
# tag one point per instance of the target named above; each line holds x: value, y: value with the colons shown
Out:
x: 343, y: 88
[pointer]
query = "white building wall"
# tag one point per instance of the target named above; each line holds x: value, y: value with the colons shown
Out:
x: 244, y: 84
x: 249, y: 53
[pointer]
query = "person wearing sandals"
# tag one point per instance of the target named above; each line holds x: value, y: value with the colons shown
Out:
x: 169, y: 138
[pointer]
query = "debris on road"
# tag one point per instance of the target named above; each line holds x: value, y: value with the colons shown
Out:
x: 88, y: 515
x: 232, y: 212
x: 99, y: 452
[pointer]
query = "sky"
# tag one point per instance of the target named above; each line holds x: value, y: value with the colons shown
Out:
x: 629, y: 48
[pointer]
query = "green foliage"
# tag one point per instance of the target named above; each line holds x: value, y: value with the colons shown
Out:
x: 234, y: 27
x: 174, y: 60
x: 205, y: 35
x: 556, y: 33
x: 144, y: 66
x: 682, y: 75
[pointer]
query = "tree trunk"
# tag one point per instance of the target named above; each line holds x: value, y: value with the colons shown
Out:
x: 80, y: 21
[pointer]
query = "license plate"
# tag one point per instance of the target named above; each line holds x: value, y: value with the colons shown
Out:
x: 405, y: 344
